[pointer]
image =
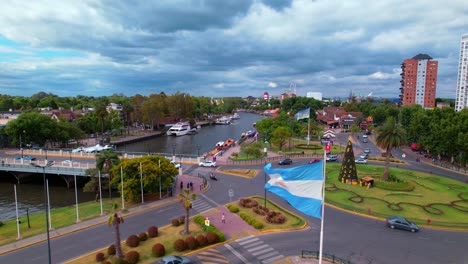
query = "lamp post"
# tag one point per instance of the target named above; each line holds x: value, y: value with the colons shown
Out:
x: 48, y: 164
x: 198, y: 150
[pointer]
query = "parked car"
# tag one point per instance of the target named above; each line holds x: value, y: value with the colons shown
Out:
x: 78, y: 149
x: 175, y: 260
x: 364, y: 156
x: 361, y: 161
x: 285, y: 161
x: 401, y: 223
x: 364, y: 140
x: 332, y: 158
x: 313, y: 161
x: 176, y: 165
x: 207, y: 163
x: 26, y: 158
x: 367, y: 150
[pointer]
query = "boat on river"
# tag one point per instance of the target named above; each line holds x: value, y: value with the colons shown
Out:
x: 179, y: 129
x: 224, y: 120
x: 221, y: 147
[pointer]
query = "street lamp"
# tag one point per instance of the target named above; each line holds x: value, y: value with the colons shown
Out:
x: 198, y: 150
x: 50, y: 163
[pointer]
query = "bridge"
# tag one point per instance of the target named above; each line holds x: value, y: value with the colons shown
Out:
x: 66, y: 163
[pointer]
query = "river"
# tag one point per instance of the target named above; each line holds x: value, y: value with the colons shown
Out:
x: 30, y: 194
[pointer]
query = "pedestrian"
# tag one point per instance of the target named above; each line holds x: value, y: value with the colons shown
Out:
x: 223, y: 219
x: 181, y: 185
x: 191, y: 186
x: 188, y: 185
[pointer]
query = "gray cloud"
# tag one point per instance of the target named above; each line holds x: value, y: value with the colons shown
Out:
x: 218, y: 48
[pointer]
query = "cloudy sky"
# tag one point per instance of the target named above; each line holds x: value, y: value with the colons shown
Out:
x: 225, y: 48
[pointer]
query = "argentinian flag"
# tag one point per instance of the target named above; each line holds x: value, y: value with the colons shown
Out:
x: 301, y: 186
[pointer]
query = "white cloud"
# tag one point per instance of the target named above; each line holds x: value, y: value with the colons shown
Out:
x: 272, y: 85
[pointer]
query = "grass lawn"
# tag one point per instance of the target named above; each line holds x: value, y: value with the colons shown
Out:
x: 292, y: 221
x: 246, y: 173
x: 166, y: 236
x: 441, y: 200
x: 60, y: 217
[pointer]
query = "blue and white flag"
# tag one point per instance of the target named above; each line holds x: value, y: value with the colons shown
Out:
x: 301, y: 186
x: 302, y: 114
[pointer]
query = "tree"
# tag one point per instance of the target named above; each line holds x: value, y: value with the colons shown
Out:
x: 280, y: 136
x: 186, y: 199
x: 105, y: 161
x: 391, y: 135
x: 116, y: 220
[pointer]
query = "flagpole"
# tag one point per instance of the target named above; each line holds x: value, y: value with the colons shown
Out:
x: 308, y: 130
x: 323, y: 205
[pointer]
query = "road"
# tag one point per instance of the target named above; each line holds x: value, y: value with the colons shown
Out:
x: 349, y: 236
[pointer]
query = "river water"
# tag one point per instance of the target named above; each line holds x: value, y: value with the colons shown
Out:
x: 31, y: 196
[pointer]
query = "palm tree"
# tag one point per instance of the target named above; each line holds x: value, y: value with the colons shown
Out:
x: 391, y: 135
x: 116, y: 220
x: 186, y: 199
x: 105, y: 161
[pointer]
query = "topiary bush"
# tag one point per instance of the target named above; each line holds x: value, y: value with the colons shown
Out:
x: 111, y: 250
x: 132, y: 257
x: 201, y: 240
x: 132, y: 241
x: 143, y: 236
x: 212, y: 238
x: 158, y: 250
x: 275, y: 218
x: 233, y: 209
x: 248, y: 202
x: 100, y: 257
x: 175, y: 222
x: 191, y: 242
x: 258, y: 225
x: 179, y: 245
x: 152, y: 231
x: 181, y: 219
x: 106, y: 262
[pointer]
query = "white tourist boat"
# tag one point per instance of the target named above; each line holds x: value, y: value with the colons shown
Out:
x: 179, y: 129
x: 224, y: 120
x: 235, y: 116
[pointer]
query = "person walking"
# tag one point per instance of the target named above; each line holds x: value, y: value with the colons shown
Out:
x: 223, y: 219
x: 181, y: 185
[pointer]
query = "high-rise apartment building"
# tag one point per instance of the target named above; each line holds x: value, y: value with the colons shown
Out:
x: 461, y: 96
x: 419, y: 81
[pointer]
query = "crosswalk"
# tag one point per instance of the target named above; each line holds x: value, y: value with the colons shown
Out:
x: 201, y: 205
x: 261, y: 251
x: 211, y: 256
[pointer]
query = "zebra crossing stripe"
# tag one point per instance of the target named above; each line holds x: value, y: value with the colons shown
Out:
x: 238, y: 255
x: 270, y: 260
x: 264, y: 251
x: 248, y: 241
x: 257, y: 248
x: 245, y: 238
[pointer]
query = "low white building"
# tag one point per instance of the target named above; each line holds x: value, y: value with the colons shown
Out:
x: 315, y: 95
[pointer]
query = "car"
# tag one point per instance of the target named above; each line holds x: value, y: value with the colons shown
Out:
x: 361, y: 161
x: 77, y: 150
x: 364, y: 156
x: 176, y: 165
x: 313, y: 161
x: 175, y: 260
x: 332, y: 158
x: 207, y: 163
x: 285, y: 161
x: 401, y: 223
x: 26, y: 158
x: 367, y: 150
x: 364, y: 140
x: 364, y: 136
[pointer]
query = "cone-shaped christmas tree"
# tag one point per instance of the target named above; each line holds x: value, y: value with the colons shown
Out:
x: 348, y: 166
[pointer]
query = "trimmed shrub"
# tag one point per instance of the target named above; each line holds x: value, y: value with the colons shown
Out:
x: 132, y: 241
x: 132, y: 257
x: 143, y: 236
x: 106, y: 262
x: 258, y: 225
x: 152, y: 231
x: 99, y: 257
x: 182, y: 219
x: 201, y: 240
x: 233, y: 209
x: 175, y: 222
x: 111, y: 250
x: 212, y: 238
x: 158, y: 250
x: 179, y: 245
x: 275, y: 218
x: 191, y: 242
x: 1, y: 223
x: 248, y: 202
